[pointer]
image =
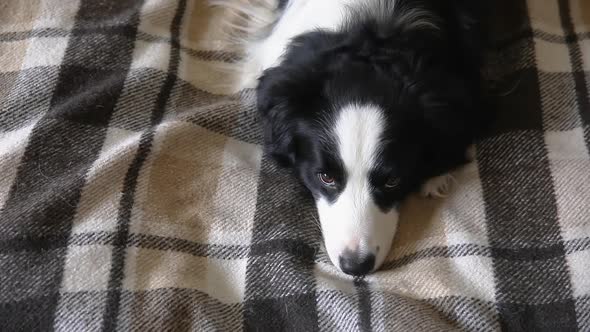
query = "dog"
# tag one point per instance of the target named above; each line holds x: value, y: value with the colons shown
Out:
x: 367, y: 101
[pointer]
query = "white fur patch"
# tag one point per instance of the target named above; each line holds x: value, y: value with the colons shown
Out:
x: 299, y: 17
x: 354, y: 220
x: 244, y: 21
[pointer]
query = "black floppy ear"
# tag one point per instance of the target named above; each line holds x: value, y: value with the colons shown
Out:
x: 277, y: 119
x: 287, y: 91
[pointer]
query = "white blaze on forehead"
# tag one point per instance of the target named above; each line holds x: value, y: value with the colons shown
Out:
x: 354, y: 221
x: 358, y: 133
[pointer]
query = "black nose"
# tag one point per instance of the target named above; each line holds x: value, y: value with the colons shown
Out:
x: 356, y: 264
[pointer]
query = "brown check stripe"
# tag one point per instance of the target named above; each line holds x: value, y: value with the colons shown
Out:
x: 135, y: 195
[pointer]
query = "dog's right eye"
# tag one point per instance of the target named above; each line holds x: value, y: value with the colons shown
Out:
x: 392, y: 183
x: 327, y: 179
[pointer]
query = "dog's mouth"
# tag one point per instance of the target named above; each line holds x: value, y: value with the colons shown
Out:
x: 357, y: 262
x: 357, y: 248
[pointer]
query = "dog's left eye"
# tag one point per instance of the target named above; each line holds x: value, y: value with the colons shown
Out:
x: 392, y: 183
x: 327, y: 179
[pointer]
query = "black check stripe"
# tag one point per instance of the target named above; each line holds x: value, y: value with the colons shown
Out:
x: 517, y: 178
x: 60, y: 148
x: 364, y: 305
x: 575, y: 54
x: 146, y: 141
x: 279, y: 283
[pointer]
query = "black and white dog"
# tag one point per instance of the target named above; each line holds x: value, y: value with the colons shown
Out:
x: 368, y: 101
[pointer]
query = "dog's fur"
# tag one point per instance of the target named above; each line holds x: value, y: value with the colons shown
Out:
x: 368, y: 101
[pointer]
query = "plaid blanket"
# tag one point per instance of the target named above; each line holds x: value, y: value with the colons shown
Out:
x: 135, y: 194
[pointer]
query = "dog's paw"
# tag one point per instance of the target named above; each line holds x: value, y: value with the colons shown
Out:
x: 437, y: 187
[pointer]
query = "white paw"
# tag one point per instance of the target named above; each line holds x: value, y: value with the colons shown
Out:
x: 438, y: 187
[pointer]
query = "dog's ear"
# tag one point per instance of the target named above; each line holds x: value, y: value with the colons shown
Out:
x: 287, y: 91
x: 277, y: 119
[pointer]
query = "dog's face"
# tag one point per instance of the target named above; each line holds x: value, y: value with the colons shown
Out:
x: 364, y: 122
x: 355, y: 175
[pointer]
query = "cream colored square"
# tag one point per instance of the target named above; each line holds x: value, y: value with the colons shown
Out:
x: 179, y: 182
x: 99, y: 205
x: 205, y: 26
x: 581, y: 230
x: 154, y: 55
x: 156, y: 17
x: 12, y: 148
x: 580, y: 13
x: 419, y: 227
x: 570, y: 162
x: 544, y: 16
x: 430, y: 222
x: 234, y: 204
x: 470, y: 276
x: 463, y: 212
x: 87, y: 268
x: 329, y: 278
x: 204, y: 74
x: 44, y: 52
x: 18, y: 15
x: 12, y: 55
x: 147, y: 269
x: 60, y: 14
x: 571, y: 179
x: 566, y: 145
x: 579, y: 269
x: 585, y: 49
x: 226, y: 279
x: 552, y: 57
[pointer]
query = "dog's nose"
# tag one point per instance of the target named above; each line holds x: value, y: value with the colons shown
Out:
x: 355, y: 263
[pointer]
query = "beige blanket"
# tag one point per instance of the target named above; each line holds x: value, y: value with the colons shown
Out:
x: 135, y: 195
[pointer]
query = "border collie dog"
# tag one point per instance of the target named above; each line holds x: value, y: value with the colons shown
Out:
x: 367, y: 101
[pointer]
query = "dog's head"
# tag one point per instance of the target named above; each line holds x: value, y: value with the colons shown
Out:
x: 364, y: 117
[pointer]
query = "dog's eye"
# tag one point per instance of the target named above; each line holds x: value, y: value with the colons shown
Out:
x: 392, y: 183
x: 327, y: 179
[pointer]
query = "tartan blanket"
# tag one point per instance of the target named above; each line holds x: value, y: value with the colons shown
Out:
x: 135, y: 194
